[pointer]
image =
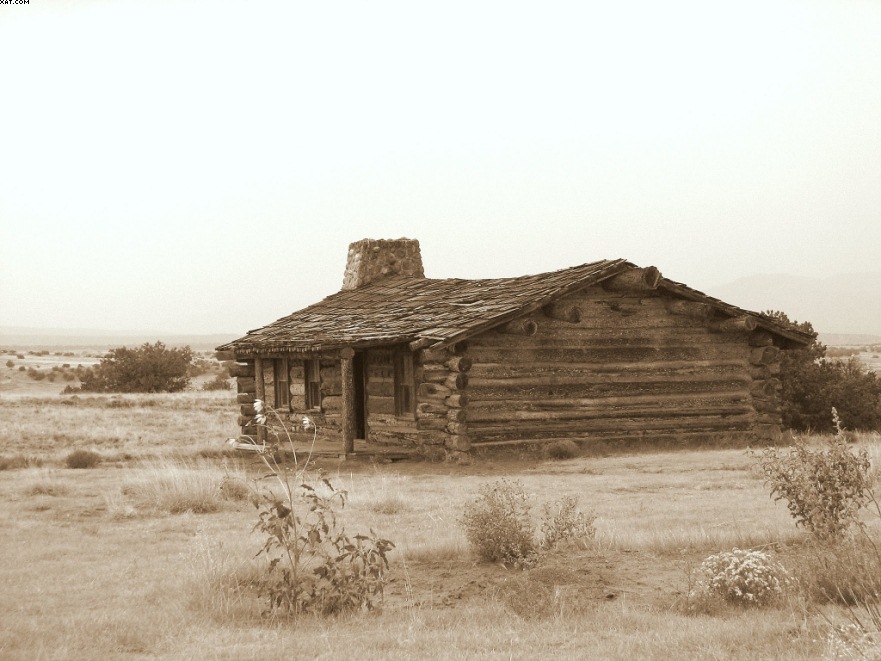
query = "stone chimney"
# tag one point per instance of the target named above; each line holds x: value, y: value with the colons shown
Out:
x: 372, y: 259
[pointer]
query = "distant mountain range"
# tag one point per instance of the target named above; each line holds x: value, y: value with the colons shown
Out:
x: 844, y: 309
x: 13, y: 337
x: 848, y: 304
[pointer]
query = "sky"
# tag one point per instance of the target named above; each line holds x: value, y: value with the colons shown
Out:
x: 200, y: 166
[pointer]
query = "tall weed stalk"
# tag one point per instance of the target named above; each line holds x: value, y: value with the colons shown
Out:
x: 314, y: 566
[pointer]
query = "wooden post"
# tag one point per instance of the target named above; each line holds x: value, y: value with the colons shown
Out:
x: 349, y: 422
x: 260, y: 393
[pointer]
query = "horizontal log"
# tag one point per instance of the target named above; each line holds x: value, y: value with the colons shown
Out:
x: 563, y: 311
x: 248, y: 409
x: 635, y: 279
x: 544, y: 428
x: 421, y: 343
x: 770, y: 405
x: 457, y: 381
x: 224, y: 356
x: 239, y: 369
x: 245, y: 420
x: 689, y: 309
x: 434, y: 374
x: 552, y: 351
x: 432, y: 437
x: 765, y: 388
x: 245, y: 397
x: 428, y: 407
x: 432, y: 424
x: 760, y: 339
x: 764, y: 355
x: 457, y: 415
x: 661, y: 398
x: 433, y: 390
x: 435, y: 355
x: 477, y: 418
x: 457, y: 401
x: 622, y: 376
x: 518, y: 327
x: 661, y: 438
x: 246, y: 384
x: 745, y: 324
x: 457, y: 427
x: 459, y: 364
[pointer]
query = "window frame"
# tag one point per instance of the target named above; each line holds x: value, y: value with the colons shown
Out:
x: 282, y: 383
x: 404, y: 384
x: 312, y: 383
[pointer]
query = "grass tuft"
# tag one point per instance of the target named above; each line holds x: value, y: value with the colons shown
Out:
x: 177, y: 486
x: 82, y: 459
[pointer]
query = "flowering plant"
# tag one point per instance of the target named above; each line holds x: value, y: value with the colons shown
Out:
x: 744, y: 576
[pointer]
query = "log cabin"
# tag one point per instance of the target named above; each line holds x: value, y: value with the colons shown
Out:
x: 603, y: 351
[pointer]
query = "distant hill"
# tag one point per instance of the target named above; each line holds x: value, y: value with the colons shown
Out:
x: 14, y: 337
x: 840, y: 304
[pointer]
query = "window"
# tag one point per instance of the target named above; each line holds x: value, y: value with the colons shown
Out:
x: 313, y: 384
x: 282, y: 386
x: 405, y: 402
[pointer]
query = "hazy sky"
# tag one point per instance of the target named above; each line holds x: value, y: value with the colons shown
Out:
x: 202, y: 166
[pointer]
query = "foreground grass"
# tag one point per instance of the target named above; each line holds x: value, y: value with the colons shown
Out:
x: 98, y: 566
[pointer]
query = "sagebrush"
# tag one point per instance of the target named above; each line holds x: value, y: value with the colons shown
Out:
x: 824, y: 488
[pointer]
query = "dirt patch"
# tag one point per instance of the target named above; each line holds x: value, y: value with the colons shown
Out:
x: 564, y: 581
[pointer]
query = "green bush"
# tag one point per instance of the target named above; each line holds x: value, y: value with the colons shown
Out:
x: 219, y: 382
x: 148, y: 368
x: 824, y: 489
x: 812, y: 384
x: 82, y: 459
x: 565, y: 449
x: 498, y: 525
x: 563, y: 521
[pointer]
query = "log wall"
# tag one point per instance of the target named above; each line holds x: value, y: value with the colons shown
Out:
x: 619, y: 364
x: 383, y: 426
x: 251, y: 387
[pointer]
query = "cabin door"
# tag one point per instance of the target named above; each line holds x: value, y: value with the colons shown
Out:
x: 360, y: 376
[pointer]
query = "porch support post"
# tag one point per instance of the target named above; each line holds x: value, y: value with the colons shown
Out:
x: 259, y: 393
x: 347, y: 373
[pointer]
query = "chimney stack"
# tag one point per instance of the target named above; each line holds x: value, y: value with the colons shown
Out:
x: 372, y: 259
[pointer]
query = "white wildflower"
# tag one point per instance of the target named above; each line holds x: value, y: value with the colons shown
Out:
x: 258, y: 405
x: 307, y: 423
x: 260, y: 418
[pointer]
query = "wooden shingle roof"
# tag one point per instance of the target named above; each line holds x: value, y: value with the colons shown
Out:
x: 437, y: 312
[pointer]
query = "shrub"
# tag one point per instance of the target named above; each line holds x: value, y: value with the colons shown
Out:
x: 744, y: 577
x: 824, y: 489
x: 219, y: 382
x: 562, y: 521
x: 565, y: 449
x: 18, y: 461
x: 812, y: 384
x: 498, y: 525
x: 10, y: 364
x: 148, y: 368
x: 82, y: 459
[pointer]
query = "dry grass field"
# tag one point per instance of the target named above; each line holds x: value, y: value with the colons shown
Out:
x: 150, y: 554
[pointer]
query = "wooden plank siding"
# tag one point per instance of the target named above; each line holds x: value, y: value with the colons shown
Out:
x: 627, y: 367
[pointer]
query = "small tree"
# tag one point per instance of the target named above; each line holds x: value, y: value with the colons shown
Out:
x: 812, y: 384
x: 825, y: 488
x: 148, y: 368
